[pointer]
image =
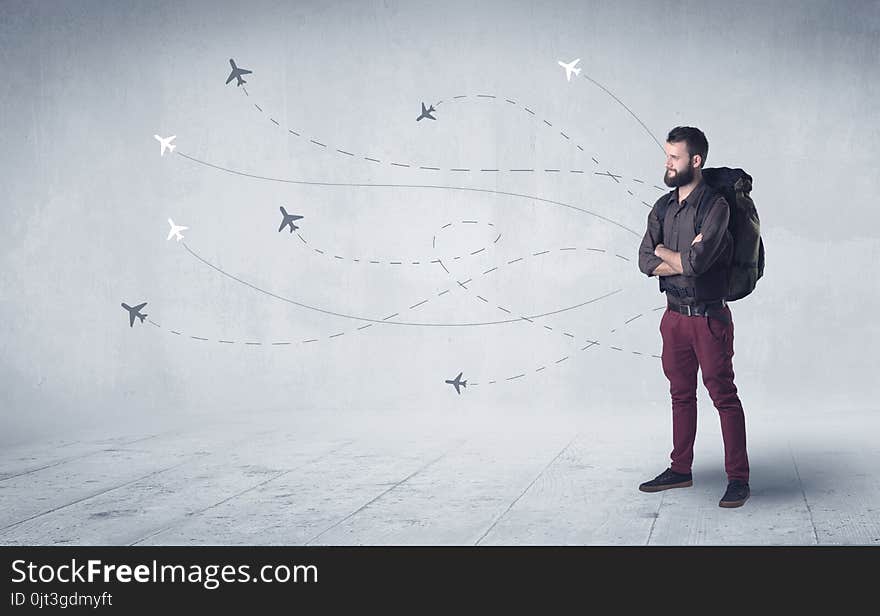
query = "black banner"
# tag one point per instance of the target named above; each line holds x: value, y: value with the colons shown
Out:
x: 129, y: 580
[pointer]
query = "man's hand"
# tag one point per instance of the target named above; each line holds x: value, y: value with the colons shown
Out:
x: 699, y: 238
x: 671, y: 260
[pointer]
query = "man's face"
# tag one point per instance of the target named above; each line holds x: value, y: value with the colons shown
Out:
x: 679, y: 166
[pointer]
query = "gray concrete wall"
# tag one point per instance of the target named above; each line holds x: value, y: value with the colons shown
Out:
x: 787, y: 91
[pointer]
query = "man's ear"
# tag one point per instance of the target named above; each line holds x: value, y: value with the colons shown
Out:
x: 697, y: 160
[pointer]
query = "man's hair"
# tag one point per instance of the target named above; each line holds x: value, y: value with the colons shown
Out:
x: 694, y: 138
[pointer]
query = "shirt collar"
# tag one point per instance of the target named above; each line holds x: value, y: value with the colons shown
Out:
x: 692, y: 198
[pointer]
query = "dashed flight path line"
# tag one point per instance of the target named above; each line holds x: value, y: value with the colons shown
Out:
x: 399, y: 260
x: 331, y: 252
x: 616, y: 178
x: 425, y: 186
x: 590, y: 343
x: 372, y: 320
x: 521, y: 169
x: 462, y: 284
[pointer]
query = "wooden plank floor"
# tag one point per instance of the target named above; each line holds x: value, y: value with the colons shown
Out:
x: 365, y: 480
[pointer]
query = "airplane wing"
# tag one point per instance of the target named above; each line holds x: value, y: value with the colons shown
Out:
x: 244, y: 71
x: 456, y: 382
x: 139, y: 306
x: 131, y: 318
x: 295, y: 217
x: 283, y: 224
x: 231, y: 76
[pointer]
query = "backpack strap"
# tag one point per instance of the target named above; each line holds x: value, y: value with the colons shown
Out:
x: 709, y: 196
x: 661, y: 214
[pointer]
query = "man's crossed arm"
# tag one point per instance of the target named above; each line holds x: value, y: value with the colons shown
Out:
x: 671, y: 260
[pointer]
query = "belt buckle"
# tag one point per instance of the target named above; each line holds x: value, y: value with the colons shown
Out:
x: 689, y: 308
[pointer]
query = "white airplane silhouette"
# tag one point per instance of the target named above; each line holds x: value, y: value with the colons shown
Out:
x: 175, y: 230
x: 569, y: 68
x: 166, y: 143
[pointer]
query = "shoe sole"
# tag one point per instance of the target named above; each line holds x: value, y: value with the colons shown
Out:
x: 683, y: 484
x: 732, y: 504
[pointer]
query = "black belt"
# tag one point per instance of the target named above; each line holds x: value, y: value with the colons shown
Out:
x: 697, y: 310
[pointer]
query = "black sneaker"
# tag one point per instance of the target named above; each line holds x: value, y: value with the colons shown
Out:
x: 737, y: 493
x: 667, y: 479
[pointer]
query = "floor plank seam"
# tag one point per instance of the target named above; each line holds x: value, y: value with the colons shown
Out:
x: 77, y: 457
x: 804, y: 494
x: 528, y: 487
x: 656, y: 517
x: 5, y: 529
x: 365, y: 505
x: 191, y: 514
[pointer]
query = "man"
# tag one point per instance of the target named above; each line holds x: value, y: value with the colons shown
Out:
x: 697, y: 326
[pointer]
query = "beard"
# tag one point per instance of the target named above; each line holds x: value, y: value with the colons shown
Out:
x: 680, y: 178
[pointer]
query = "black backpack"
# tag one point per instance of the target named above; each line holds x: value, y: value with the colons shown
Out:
x: 747, y: 264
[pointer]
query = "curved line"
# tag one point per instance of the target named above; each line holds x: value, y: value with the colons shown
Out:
x: 421, y: 259
x: 622, y: 104
x: 358, y: 318
x: 434, y: 186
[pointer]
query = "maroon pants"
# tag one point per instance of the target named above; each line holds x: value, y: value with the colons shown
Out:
x: 706, y: 343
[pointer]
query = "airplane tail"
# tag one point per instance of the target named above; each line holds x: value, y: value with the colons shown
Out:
x: 576, y: 71
x: 464, y: 383
x: 142, y: 317
x: 171, y: 147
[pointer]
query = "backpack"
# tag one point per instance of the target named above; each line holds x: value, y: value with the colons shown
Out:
x: 747, y: 263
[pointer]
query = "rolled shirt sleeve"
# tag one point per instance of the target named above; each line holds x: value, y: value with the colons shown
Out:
x: 648, y: 261
x: 699, y: 257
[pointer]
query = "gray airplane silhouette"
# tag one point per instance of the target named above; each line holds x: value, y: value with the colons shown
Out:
x: 237, y: 73
x: 426, y: 113
x: 288, y: 220
x: 456, y: 382
x: 134, y: 313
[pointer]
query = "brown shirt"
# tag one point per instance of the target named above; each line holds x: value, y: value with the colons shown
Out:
x: 704, y: 264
